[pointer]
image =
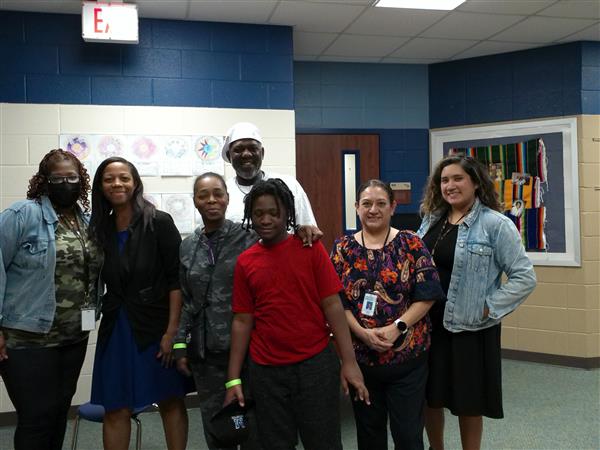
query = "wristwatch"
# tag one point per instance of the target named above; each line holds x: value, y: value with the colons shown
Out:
x: 401, y: 326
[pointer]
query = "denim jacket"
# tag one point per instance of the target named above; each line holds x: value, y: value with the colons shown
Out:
x: 487, y: 245
x: 27, y: 265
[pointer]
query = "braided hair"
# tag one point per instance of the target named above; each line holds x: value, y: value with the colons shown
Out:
x: 282, y: 194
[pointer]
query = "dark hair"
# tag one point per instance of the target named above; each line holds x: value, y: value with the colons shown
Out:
x: 38, y: 184
x: 432, y: 198
x: 283, y: 196
x: 210, y: 175
x: 376, y: 183
x: 101, y: 224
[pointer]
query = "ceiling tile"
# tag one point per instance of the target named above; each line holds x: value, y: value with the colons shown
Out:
x: 394, y: 22
x: 524, y: 7
x: 391, y: 60
x: 56, y: 6
x: 542, y: 29
x: 589, y: 34
x: 492, y: 48
x: 176, y: 9
x: 358, y: 59
x: 243, y: 11
x: 305, y: 16
x: 311, y: 43
x: 432, y: 48
x: 584, y: 9
x: 459, y: 25
x: 358, y: 45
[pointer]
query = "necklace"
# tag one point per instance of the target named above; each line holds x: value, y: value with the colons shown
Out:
x: 362, y: 238
x: 249, y: 188
x: 444, y: 232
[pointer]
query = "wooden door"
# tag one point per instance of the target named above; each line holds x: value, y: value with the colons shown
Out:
x: 321, y: 170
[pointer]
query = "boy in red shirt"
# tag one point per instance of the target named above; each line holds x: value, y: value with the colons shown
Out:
x: 284, y: 297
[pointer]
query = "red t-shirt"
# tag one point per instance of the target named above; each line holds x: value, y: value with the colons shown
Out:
x: 282, y: 286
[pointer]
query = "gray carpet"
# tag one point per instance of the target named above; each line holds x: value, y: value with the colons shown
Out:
x: 546, y: 407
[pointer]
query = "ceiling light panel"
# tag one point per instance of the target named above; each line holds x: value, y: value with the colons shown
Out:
x: 442, y: 5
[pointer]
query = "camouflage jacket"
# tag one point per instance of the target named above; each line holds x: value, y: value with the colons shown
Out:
x: 206, y: 277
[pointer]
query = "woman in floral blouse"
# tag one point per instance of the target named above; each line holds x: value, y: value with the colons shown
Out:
x: 390, y: 282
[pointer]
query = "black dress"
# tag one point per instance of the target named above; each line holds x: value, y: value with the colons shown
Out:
x: 464, y: 368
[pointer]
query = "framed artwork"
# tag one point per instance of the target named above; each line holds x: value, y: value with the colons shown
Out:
x: 534, y: 166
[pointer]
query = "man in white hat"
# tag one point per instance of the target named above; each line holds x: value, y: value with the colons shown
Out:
x: 243, y: 149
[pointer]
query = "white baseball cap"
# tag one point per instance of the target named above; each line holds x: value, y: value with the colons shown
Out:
x: 241, y: 130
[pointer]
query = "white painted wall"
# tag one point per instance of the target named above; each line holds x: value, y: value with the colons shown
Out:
x: 29, y: 131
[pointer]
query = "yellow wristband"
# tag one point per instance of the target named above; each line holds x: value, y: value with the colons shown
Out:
x: 232, y: 383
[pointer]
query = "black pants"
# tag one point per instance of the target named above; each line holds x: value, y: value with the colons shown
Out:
x: 299, y: 398
x: 210, y: 376
x: 41, y: 383
x: 400, y: 391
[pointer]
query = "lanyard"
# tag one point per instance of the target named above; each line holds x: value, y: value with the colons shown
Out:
x: 76, y: 230
x: 372, y: 275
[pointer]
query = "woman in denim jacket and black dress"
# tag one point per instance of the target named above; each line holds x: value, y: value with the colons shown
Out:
x: 472, y: 244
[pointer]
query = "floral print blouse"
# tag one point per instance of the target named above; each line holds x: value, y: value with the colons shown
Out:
x: 401, y: 273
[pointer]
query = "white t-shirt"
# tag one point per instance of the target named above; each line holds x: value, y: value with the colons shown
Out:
x: 235, y: 210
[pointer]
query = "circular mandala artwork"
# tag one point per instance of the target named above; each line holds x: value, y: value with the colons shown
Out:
x: 208, y: 148
x: 176, y: 148
x: 78, y: 147
x: 110, y: 146
x: 144, y: 148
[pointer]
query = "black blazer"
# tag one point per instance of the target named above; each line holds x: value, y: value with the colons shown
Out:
x: 141, y: 278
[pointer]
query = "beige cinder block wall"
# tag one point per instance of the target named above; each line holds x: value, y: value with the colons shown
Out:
x: 562, y: 316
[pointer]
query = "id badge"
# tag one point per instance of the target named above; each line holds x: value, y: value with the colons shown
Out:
x: 88, y: 318
x: 369, y: 304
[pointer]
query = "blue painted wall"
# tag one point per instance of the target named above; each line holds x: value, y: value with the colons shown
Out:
x: 390, y: 100
x: 544, y: 82
x: 177, y: 63
x: 590, y: 77
x: 345, y: 95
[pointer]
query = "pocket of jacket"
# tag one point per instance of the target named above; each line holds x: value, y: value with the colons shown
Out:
x: 479, y: 257
x: 32, y: 255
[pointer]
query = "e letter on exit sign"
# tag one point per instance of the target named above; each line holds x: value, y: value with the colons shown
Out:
x: 109, y: 22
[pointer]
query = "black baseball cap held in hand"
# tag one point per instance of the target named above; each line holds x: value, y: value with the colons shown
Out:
x: 229, y: 426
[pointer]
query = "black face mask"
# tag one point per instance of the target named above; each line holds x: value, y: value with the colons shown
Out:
x: 64, y: 194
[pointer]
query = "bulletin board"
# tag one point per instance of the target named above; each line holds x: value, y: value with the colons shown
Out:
x: 155, y: 156
x: 534, y: 167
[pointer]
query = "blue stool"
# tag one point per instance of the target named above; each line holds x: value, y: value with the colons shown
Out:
x: 95, y: 413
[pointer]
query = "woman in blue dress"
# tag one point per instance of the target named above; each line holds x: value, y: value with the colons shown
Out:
x: 140, y: 309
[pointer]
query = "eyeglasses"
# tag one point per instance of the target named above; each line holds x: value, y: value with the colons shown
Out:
x: 56, y: 179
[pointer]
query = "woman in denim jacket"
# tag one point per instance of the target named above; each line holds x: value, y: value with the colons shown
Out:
x: 472, y: 244
x: 48, y: 272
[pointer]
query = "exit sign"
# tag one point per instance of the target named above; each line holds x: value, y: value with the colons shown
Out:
x: 110, y: 22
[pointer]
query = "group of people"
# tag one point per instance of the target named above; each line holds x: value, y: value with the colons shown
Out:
x: 253, y: 309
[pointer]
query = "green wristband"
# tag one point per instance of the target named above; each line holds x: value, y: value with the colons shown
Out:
x: 232, y: 383
x: 180, y: 345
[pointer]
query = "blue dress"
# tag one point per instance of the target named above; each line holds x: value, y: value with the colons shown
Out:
x: 124, y: 376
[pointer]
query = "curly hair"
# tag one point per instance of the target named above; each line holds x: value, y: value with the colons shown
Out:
x: 101, y: 222
x: 283, y: 196
x: 433, y: 201
x: 38, y: 184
